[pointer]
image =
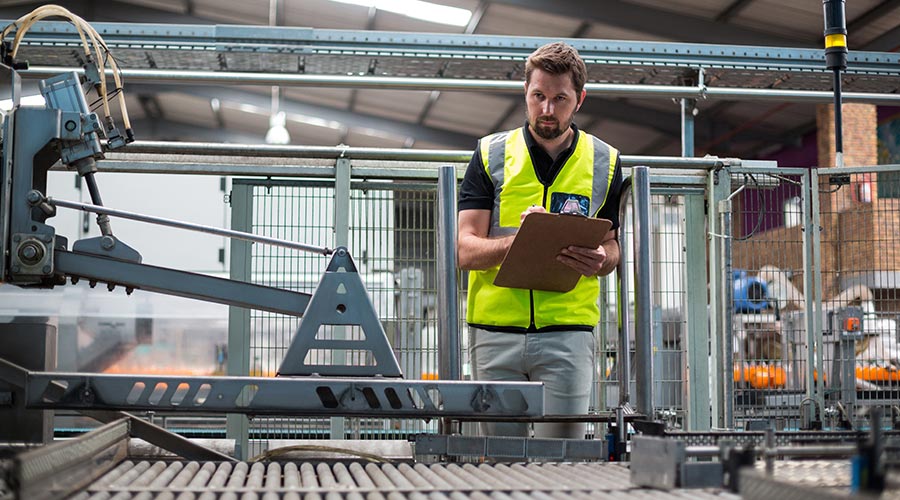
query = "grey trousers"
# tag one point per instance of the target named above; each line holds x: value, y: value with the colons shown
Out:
x: 563, y: 361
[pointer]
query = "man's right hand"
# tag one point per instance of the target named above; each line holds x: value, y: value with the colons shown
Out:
x: 533, y: 209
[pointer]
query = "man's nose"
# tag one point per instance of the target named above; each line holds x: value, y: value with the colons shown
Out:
x: 548, y: 107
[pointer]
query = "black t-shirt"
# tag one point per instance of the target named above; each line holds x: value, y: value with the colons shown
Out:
x: 477, y: 188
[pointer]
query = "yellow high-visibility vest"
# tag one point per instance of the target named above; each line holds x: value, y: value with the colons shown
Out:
x: 586, y: 174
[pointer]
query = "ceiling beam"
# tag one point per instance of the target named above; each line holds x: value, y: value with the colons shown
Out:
x: 477, y: 14
x: 108, y: 11
x: 582, y: 30
x: 151, y: 107
x: 732, y: 10
x: 474, y: 21
x: 880, y: 10
x: 887, y: 42
x: 399, y: 128
x: 666, y: 122
x: 662, y: 23
x: 147, y: 129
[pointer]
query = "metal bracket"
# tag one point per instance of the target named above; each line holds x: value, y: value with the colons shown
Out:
x: 561, y: 450
x: 340, y: 299
x: 56, y: 389
x: 662, y: 463
x: 32, y: 255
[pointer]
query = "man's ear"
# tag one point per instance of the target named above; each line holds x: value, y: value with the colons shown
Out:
x: 581, y: 99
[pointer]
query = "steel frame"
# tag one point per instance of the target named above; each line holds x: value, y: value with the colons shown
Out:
x: 307, y: 41
x: 306, y: 396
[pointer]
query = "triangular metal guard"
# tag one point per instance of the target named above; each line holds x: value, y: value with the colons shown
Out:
x: 351, y: 306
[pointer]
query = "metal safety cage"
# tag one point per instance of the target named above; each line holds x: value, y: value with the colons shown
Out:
x: 763, y: 297
x: 859, y: 269
x: 391, y: 224
x: 677, y: 271
x: 809, y: 287
x: 391, y: 227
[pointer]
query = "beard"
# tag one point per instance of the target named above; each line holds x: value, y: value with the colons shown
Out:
x: 551, y: 129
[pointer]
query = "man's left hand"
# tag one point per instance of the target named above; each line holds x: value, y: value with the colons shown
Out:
x: 587, y: 261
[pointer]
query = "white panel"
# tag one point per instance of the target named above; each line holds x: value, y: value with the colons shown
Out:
x: 667, y: 105
x: 405, y: 105
x: 361, y: 139
x: 511, y: 20
x: 797, y: 114
x: 168, y: 5
x: 771, y: 115
x: 859, y: 36
x: 238, y: 12
x: 325, y: 14
x: 135, y: 111
x: 310, y: 135
x: 516, y: 118
x: 185, y: 108
x: 335, y: 15
x: 241, y: 121
x: 466, y: 112
x: 336, y: 98
x: 609, y: 32
x: 190, y: 198
x: 390, y: 21
x: 697, y: 8
x: 432, y: 145
x: 624, y: 135
x: 794, y: 19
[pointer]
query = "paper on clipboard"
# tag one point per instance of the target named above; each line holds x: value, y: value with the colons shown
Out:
x: 531, y: 261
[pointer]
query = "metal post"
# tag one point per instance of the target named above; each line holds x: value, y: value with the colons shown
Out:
x: 341, y: 239
x: 447, y: 286
x: 696, y: 393
x: 814, y: 234
x: 447, y: 306
x: 719, y: 188
x: 237, y: 425
x: 812, y: 281
x: 687, y: 126
x: 599, y: 381
x: 727, y: 353
x: 623, y: 356
x: 643, y: 322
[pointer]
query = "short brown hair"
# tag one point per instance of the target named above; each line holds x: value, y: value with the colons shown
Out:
x: 558, y: 58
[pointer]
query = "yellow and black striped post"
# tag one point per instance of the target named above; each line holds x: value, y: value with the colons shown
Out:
x: 836, y: 60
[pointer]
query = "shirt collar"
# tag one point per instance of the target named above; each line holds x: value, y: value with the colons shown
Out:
x: 532, y: 144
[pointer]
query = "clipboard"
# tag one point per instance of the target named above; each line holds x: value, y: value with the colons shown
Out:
x: 531, y: 261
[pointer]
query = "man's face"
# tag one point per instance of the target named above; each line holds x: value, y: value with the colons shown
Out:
x: 552, y: 102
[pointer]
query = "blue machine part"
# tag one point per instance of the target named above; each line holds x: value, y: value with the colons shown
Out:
x: 751, y: 294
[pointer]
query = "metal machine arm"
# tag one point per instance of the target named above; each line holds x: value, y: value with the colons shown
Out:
x: 133, y: 275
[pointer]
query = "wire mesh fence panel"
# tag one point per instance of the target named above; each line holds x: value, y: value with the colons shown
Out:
x: 767, y: 306
x: 406, y: 236
x: 668, y: 310
x: 669, y: 305
x: 391, y: 238
x: 860, y: 265
x: 302, y: 212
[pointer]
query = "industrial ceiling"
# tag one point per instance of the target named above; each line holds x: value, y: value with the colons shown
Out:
x: 455, y: 118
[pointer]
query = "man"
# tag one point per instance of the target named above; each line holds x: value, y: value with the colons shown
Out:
x: 547, y: 165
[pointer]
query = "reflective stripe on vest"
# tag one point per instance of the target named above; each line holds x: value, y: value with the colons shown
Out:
x: 587, y: 173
